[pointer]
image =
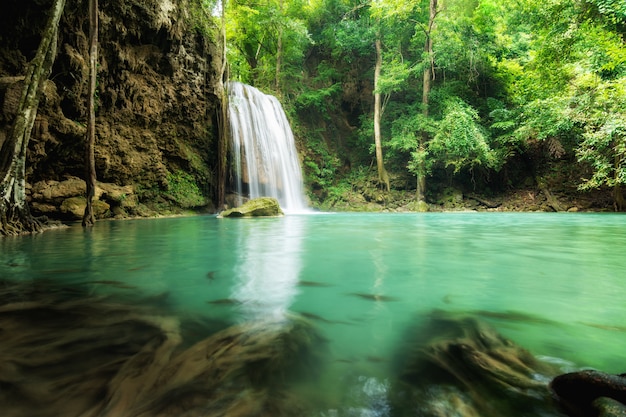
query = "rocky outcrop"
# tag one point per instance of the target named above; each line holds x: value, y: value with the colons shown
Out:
x: 67, y: 198
x: 257, y: 207
x: 157, y: 101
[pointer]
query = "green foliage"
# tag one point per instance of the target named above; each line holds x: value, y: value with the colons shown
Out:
x: 320, y: 97
x: 202, y: 20
x: 354, y: 38
x: 255, y: 31
x: 547, y: 118
x: 320, y: 164
x: 183, y: 189
x: 605, y: 150
x: 460, y: 141
x: 601, y: 106
x: 406, y: 132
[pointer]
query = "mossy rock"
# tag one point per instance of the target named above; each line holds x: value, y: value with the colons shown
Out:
x: 75, y: 207
x: 418, y: 206
x: 257, y: 207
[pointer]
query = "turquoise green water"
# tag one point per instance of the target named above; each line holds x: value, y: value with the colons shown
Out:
x: 366, y: 278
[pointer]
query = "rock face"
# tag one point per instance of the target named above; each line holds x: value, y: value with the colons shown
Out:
x: 257, y: 207
x: 157, y: 96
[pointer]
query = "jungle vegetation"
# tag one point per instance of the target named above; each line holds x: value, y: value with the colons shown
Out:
x: 481, y: 93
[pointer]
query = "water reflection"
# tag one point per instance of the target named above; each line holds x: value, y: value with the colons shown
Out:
x: 268, y: 267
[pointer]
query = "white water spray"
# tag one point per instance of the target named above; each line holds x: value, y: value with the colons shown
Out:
x: 263, y: 146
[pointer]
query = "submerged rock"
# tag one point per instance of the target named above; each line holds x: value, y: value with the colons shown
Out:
x: 465, y: 364
x: 67, y: 352
x: 591, y: 393
x: 257, y: 207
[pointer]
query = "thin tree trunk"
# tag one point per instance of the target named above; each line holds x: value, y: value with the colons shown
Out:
x: 90, y: 163
x: 426, y: 87
x: 15, y: 216
x: 618, y: 194
x: 279, y: 48
x: 383, y: 176
x: 223, y: 122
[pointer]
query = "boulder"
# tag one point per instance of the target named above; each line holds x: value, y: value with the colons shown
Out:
x: 51, y: 190
x: 257, y: 207
x: 75, y: 207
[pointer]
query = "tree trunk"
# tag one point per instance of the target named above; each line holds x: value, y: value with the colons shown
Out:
x: 383, y: 177
x: 618, y: 194
x: 426, y: 87
x: 223, y: 122
x: 618, y: 197
x: 279, y: 48
x: 551, y: 200
x: 15, y: 216
x: 90, y: 163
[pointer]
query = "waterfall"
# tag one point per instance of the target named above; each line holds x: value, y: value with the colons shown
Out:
x: 263, y: 148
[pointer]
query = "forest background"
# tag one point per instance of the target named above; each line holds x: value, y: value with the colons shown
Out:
x: 398, y: 105
x: 400, y: 102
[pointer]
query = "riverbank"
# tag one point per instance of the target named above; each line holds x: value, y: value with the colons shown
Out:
x: 530, y: 199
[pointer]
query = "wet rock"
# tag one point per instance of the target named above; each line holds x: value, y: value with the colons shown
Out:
x: 591, y: 393
x: 257, y: 207
x: 608, y: 407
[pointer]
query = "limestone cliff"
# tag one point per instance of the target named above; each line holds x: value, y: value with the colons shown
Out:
x: 157, y: 103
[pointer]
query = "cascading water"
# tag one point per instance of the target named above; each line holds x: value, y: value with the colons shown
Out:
x: 263, y: 147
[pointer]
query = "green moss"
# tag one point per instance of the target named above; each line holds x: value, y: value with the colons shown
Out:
x: 201, y: 19
x: 257, y: 207
x: 183, y: 189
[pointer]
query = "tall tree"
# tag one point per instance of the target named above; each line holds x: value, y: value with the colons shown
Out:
x: 383, y: 176
x: 90, y: 163
x: 224, y: 124
x: 15, y: 216
x: 426, y: 87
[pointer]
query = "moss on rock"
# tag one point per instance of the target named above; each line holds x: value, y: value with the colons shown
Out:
x: 257, y: 207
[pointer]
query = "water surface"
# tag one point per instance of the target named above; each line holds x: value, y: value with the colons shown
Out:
x: 553, y: 283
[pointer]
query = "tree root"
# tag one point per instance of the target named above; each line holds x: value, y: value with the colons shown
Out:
x: 21, y: 222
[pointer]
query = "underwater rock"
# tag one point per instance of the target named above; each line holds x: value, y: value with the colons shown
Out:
x: 257, y: 207
x: 591, y: 393
x: 608, y: 407
x: 493, y: 376
x: 67, y: 352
